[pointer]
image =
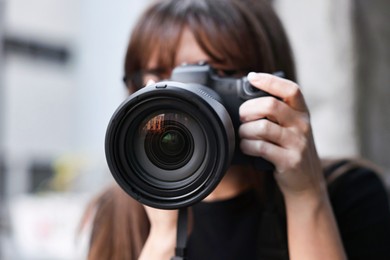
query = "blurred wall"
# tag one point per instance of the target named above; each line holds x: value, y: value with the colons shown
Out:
x: 2, y: 96
x: 3, y: 225
x: 343, y: 61
x: 372, y: 37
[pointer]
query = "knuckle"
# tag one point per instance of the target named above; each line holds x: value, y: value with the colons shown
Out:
x: 263, y: 126
x: 302, y: 144
x: 261, y: 148
x: 305, y: 127
x: 295, y: 160
x: 254, y: 148
x: 270, y: 105
x: 294, y: 91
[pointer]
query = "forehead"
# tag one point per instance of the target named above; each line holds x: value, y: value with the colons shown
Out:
x: 187, y: 51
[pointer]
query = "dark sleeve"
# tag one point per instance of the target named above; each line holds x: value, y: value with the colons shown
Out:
x: 361, y: 206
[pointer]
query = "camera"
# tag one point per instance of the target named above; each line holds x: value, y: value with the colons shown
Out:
x: 169, y: 144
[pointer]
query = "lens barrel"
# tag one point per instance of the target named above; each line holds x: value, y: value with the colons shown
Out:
x: 169, y: 144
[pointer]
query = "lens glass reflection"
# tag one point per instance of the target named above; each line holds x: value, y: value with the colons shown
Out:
x: 168, y: 143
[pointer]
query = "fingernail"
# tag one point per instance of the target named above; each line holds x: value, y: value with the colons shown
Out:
x: 251, y: 75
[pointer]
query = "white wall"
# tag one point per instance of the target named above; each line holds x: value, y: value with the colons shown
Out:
x: 321, y: 37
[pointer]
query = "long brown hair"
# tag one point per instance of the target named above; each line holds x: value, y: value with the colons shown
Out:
x: 120, y: 225
x: 243, y: 34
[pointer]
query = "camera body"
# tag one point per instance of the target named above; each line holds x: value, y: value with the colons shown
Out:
x: 231, y: 93
x: 169, y: 144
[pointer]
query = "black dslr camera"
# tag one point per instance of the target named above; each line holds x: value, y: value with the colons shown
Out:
x: 169, y: 144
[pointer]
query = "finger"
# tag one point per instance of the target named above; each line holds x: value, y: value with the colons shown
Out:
x: 263, y: 130
x: 273, y: 109
x: 263, y: 149
x: 268, y: 131
x: 285, y: 89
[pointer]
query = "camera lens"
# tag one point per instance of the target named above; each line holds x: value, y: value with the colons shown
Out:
x: 168, y: 143
x: 169, y: 147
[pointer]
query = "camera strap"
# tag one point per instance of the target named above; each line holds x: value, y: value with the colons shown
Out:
x: 181, y: 237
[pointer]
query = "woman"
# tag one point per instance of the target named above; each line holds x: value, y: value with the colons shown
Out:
x: 292, y: 213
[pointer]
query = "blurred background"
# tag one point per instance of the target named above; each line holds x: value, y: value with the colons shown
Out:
x: 61, y: 64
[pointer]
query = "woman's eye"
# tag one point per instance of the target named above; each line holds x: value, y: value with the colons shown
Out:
x: 226, y: 73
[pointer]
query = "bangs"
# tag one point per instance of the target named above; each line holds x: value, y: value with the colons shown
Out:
x: 160, y: 41
x: 231, y: 36
x: 156, y: 36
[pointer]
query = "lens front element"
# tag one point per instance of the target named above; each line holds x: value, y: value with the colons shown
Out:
x: 168, y: 143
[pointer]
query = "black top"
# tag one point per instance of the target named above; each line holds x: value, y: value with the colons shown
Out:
x: 237, y: 228
x: 225, y: 229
